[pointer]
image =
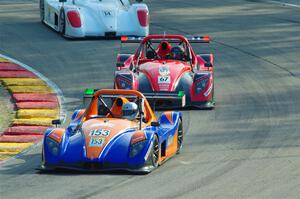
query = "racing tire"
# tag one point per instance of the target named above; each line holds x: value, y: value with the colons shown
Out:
x: 42, y: 11
x: 212, y: 102
x: 62, y: 22
x: 43, y: 161
x: 179, y: 136
x: 154, y: 155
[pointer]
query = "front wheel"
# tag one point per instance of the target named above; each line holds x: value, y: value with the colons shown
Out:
x: 155, y: 152
x: 179, y: 137
x: 42, y: 11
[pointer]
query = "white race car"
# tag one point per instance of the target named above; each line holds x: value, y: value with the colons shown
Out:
x: 96, y: 18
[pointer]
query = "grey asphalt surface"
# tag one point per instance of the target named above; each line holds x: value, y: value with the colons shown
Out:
x: 248, y: 147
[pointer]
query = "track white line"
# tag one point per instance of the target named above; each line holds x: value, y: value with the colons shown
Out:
x: 282, y: 3
x: 57, y: 90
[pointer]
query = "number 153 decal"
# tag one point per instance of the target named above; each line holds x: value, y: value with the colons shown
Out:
x: 96, y: 142
x: 99, y: 132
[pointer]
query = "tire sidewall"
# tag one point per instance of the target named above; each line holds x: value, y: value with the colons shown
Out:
x: 62, y: 22
x: 179, y: 126
x: 155, y: 141
x: 42, y: 10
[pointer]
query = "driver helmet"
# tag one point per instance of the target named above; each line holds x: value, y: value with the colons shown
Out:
x: 130, y: 110
x: 177, y: 53
x: 164, y: 49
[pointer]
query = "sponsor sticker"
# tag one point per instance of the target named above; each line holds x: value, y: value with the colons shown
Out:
x: 96, y: 141
x: 107, y: 13
x: 106, y: 124
x: 170, y: 140
x: 56, y: 136
x: 99, y: 132
x: 164, y: 79
x: 163, y: 87
x: 164, y: 70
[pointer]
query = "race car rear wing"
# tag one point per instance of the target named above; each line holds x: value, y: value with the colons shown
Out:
x: 191, y: 39
x: 177, y: 98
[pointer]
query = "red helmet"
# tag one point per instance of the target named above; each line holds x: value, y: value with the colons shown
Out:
x: 164, y: 49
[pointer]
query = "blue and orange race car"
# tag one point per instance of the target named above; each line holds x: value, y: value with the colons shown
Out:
x: 101, y: 138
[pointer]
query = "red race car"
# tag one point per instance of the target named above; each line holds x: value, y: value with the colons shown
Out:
x: 167, y: 71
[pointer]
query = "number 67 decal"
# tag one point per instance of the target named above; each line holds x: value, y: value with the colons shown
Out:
x: 164, y: 79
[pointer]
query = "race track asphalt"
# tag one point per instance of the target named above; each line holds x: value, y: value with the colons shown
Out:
x: 248, y: 147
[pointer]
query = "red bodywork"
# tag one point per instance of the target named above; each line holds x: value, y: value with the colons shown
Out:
x: 193, y: 75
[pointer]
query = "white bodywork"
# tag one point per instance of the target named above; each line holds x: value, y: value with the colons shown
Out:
x: 97, y: 17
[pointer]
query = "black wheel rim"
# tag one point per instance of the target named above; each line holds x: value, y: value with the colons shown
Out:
x: 155, y: 154
x: 180, y: 136
x: 62, y: 23
x: 42, y: 10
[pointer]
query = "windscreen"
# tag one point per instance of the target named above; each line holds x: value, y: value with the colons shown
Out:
x: 156, y: 49
x: 111, y: 106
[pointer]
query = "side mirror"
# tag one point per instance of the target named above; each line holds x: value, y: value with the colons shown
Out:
x: 56, y: 122
x: 156, y: 124
x: 62, y: 1
x: 120, y: 65
x: 208, y: 64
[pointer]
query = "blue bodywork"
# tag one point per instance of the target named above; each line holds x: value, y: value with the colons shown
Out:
x: 71, y: 149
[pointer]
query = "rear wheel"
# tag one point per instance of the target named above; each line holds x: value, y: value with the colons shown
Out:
x: 42, y: 10
x: 179, y: 137
x: 62, y: 22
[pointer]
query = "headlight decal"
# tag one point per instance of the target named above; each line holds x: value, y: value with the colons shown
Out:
x: 137, y: 143
x: 53, y: 146
x: 200, y: 85
x: 124, y: 82
x: 136, y: 148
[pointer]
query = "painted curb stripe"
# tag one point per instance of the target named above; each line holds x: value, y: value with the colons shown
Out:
x: 33, y: 121
x: 21, y: 138
x: 3, y: 60
x: 10, y: 67
x: 14, y: 147
x: 32, y: 97
x: 30, y: 89
x: 5, y: 156
x: 37, y: 105
x: 25, y: 130
x: 45, y: 79
x: 23, y: 82
x: 36, y: 113
x: 16, y: 74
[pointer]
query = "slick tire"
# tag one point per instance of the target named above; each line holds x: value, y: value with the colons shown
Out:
x: 154, y: 155
x: 179, y: 136
x: 42, y: 11
x: 62, y: 22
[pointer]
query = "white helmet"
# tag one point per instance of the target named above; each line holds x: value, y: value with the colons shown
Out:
x: 130, y: 110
